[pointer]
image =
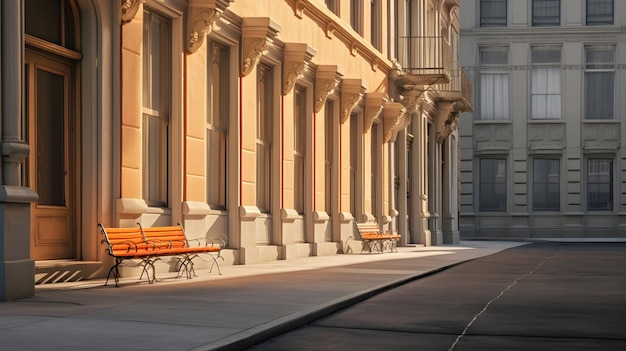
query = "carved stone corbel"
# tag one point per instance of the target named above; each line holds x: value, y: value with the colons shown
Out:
x: 444, y: 120
x: 392, y: 120
x: 295, y: 62
x: 351, y: 93
x: 257, y: 35
x: 202, y: 14
x: 411, y: 100
x: 326, y: 79
x: 374, y: 103
x: 129, y: 9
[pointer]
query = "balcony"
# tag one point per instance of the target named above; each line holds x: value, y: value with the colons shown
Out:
x: 458, y: 90
x: 424, y: 61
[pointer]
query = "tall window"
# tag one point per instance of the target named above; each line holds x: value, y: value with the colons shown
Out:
x: 328, y: 156
x: 546, y: 12
x: 356, y: 15
x: 492, y: 191
x: 546, y: 185
x: 299, y: 147
x: 599, y: 184
x: 546, y: 83
x: 599, y: 82
x: 599, y: 12
x: 375, y: 166
x: 493, y: 13
x: 494, y: 83
x: 354, y: 135
x: 217, y: 124
x: 265, y: 110
x: 375, y: 23
x: 156, y: 106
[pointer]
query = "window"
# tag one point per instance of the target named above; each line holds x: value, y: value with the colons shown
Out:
x: 356, y: 16
x: 546, y: 83
x: 265, y: 110
x: 493, y: 13
x: 599, y: 12
x: 354, y: 139
x: 599, y: 184
x: 299, y: 147
x: 52, y: 21
x: 375, y: 24
x: 492, y: 192
x: 494, y: 83
x: 217, y: 124
x: 328, y: 158
x: 546, y: 12
x: 546, y: 185
x: 156, y: 107
x: 599, y: 82
x: 332, y: 5
x: 375, y: 166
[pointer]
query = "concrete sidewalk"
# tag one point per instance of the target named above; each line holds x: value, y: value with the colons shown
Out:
x: 243, y: 306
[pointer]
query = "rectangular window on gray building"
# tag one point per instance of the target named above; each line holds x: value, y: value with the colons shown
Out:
x: 599, y: 12
x: 600, y: 184
x: 546, y: 12
x: 492, y: 185
x: 599, y: 82
x: 494, y: 83
x: 493, y: 13
x: 546, y: 185
x: 546, y: 83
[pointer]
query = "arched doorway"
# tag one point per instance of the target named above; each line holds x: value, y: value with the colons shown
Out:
x: 51, y: 118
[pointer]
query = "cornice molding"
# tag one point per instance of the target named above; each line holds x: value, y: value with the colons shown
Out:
x: 297, y: 57
x: 327, y: 77
x: 202, y: 15
x: 352, y: 91
x: 257, y: 35
x: 374, y: 103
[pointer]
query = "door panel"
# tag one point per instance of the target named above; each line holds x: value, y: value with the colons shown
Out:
x: 50, y: 112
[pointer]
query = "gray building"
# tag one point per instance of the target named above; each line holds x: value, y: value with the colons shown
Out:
x: 542, y: 153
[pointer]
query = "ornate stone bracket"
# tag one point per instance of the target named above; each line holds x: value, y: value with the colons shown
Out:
x: 351, y: 92
x: 411, y: 100
x: 202, y: 14
x: 257, y: 35
x: 295, y: 62
x: 393, y: 114
x: 129, y: 9
x: 445, y: 120
x: 374, y: 103
x: 326, y: 79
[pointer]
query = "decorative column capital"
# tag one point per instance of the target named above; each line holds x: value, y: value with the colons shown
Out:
x: 374, y: 103
x: 257, y: 35
x: 129, y: 9
x: 351, y: 92
x: 296, y: 60
x: 326, y: 79
x: 393, y: 114
x: 201, y: 16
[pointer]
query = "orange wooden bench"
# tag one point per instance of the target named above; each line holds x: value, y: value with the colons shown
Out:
x: 375, y: 239
x: 150, y: 244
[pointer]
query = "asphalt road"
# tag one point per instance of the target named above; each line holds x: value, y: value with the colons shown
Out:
x: 542, y: 296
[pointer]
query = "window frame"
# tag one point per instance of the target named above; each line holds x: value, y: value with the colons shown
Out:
x: 599, y: 68
x: 556, y: 66
x: 594, y: 22
x: 589, y: 184
x: 300, y: 97
x: 495, y: 21
x: 544, y: 182
x: 535, y: 18
x: 493, y: 69
x: 481, y: 186
x: 264, y: 137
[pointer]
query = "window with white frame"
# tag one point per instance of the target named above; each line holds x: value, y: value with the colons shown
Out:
x: 328, y: 154
x: 599, y: 82
x: 356, y: 15
x: 494, y: 83
x: 156, y: 58
x: 265, y: 110
x: 600, y: 184
x: 546, y: 12
x: 492, y: 184
x: 599, y: 12
x: 299, y: 147
x: 546, y: 184
x: 493, y: 13
x: 546, y: 83
x: 217, y: 115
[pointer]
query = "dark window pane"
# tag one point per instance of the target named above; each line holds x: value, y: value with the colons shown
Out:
x: 492, y: 13
x: 599, y: 12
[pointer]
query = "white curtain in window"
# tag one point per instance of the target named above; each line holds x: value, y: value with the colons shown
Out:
x: 494, y: 96
x: 546, y: 93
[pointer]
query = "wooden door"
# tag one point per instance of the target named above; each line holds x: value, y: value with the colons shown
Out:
x: 50, y: 114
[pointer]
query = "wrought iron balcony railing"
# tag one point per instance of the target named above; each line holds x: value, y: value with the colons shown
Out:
x: 459, y: 89
x: 425, y: 58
